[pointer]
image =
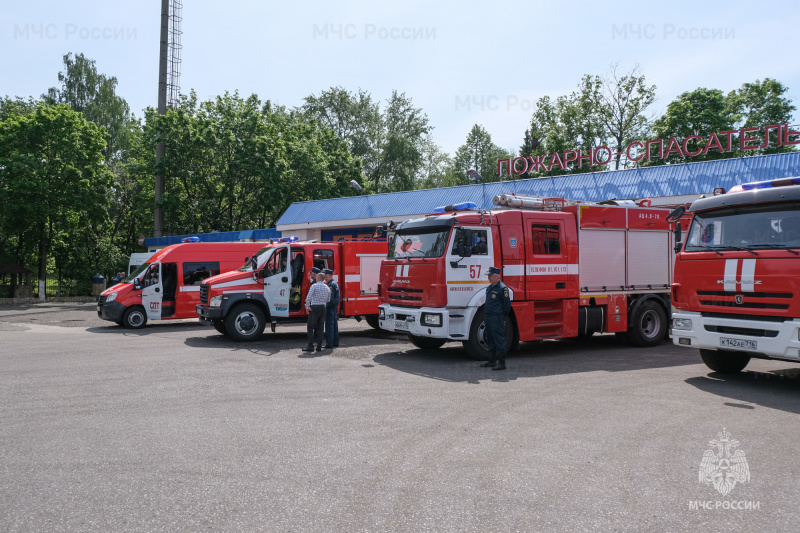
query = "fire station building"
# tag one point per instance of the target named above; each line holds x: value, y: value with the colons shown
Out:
x: 355, y: 217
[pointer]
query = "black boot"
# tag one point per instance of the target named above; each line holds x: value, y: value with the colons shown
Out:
x: 491, y: 361
x: 501, y: 362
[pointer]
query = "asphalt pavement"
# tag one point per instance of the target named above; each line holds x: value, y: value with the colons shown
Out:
x: 177, y: 428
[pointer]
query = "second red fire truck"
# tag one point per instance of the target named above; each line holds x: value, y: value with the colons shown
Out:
x: 573, y: 269
x: 737, y: 277
x: 272, y: 286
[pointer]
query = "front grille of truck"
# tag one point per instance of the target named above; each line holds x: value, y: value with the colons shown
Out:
x: 750, y: 332
x: 750, y: 300
x: 405, y: 295
x: 204, y: 294
x: 102, y: 301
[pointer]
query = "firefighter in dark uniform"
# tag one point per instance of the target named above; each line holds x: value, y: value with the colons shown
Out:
x: 496, y: 308
x: 332, y: 312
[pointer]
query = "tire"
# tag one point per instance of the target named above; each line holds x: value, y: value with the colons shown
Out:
x: 476, y: 344
x: 134, y: 318
x: 245, y: 322
x: 372, y: 321
x: 219, y: 325
x: 724, y: 362
x: 426, y: 343
x: 648, y: 325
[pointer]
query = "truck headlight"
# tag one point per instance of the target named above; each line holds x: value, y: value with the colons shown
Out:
x: 215, y: 301
x: 381, y: 313
x: 431, y: 319
x: 111, y: 297
x: 682, y: 323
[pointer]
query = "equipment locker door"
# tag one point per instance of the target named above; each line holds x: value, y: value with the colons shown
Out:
x: 546, y: 262
x: 152, y: 292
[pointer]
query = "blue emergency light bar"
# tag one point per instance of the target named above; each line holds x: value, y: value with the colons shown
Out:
x: 455, y: 207
x: 190, y: 239
x: 289, y: 239
x: 781, y: 182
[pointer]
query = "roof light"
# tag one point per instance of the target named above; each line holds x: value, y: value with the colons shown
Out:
x: 190, y: 239
x: 289, y: 239
x: 781, y: 182
x: 455, y: 207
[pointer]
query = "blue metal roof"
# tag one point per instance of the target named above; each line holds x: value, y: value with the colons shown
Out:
x: 217, y: 236
x: 665, y: 180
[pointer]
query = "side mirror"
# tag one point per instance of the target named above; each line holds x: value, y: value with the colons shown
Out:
x: 678, y: 237
x: 464, y: 251
x: 137, y: 285
x: 676, y: 214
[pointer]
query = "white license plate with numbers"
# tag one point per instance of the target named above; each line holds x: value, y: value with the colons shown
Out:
x: 725, y: 342
x: 401, y: 324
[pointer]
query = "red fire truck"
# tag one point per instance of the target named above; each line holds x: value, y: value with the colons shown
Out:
x: 573, y: 269
x: 737, y: 279
x: 272, y: 286
x: 167, y: 286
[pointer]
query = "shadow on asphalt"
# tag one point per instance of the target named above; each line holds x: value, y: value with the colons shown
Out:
x: 149, y: 329
x: 776, y: 389
x: 600, y: 353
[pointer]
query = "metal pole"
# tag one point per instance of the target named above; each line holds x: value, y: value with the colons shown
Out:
x: 158, y: 220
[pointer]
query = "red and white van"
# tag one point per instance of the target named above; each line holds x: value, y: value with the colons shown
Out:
x: 167, y: 286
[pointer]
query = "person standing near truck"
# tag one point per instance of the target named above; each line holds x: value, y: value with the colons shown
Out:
x: 332, y: 312
x: 318, y: 296
x: 496, y: 308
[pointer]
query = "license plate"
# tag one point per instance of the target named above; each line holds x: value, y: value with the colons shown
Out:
x: 738, y: 343
x: 401, y: 324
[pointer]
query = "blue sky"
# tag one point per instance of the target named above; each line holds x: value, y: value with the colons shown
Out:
x: 462, y: 63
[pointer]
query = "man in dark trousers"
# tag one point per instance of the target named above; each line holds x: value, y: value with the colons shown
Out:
x: 317, y: 298
x: 496, y: 309
x: 332, y: 311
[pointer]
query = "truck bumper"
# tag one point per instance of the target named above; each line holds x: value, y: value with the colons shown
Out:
x: 208, y: 313
x: 112, y: 311
x: 775, y: 340
x: 421, y: 321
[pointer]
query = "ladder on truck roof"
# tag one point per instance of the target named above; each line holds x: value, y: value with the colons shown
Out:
x: 540, y: 203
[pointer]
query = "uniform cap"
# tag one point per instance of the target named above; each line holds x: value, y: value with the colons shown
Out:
x: 315, y: 270
x: 328, y: 272
x: 493, y: 270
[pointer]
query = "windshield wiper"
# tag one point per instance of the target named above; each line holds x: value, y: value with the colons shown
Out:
x: 712, y: 248
x: 743, y: 248
x: 776, y: 245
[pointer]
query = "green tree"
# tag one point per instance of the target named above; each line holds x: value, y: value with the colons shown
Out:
x: 699, y: 112
x: 759, y: 104
x: 479, y: 153
x: 402, y: 143
x: 53, y: 182
x: 620, y: 101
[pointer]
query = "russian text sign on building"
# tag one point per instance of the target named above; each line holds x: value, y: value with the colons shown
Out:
x: 724, y: 141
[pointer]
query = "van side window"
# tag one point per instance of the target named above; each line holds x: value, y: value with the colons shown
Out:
x: 323, y: 259
x: 195, y: 273
x: 545, y: 239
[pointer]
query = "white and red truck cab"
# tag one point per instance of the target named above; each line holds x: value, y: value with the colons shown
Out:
x: 737, y: 277
x: 167, y: 286
x: 572, y: 269
x: 272, y: 286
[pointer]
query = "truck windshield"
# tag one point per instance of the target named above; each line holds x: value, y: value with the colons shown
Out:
x: 428, y: 244
x: 253, y: 261
x: 748, y: 227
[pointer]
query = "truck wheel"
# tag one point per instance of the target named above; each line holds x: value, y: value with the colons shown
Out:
x: 724, y: 362
x: 245, y: 322
x: 476, y: 345
x: 219, y: 325
x: 426, y: 343
x: 372, y: 320
x: 648, y: 325
x: 134, y: 318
